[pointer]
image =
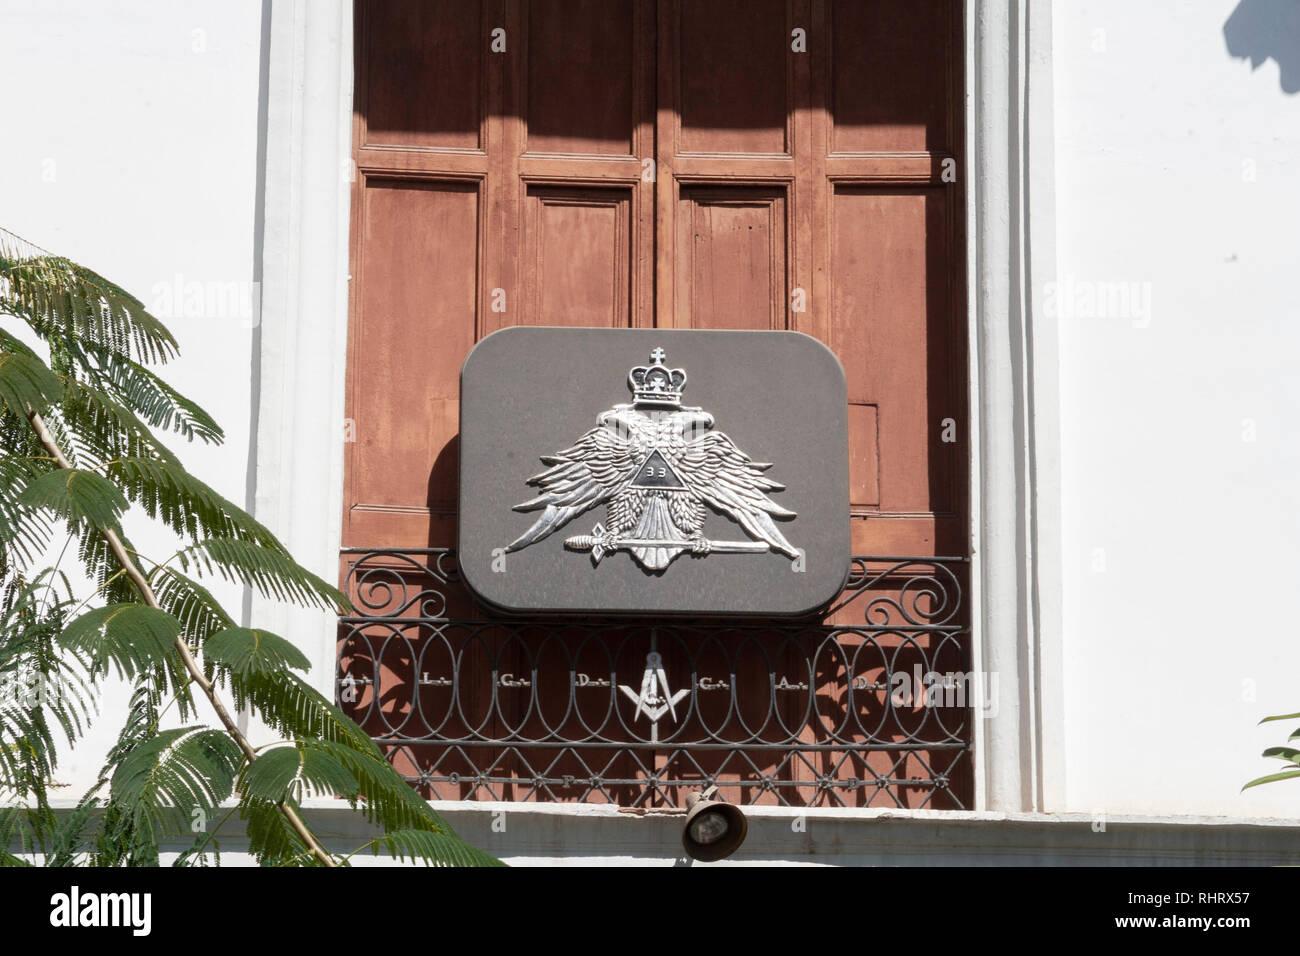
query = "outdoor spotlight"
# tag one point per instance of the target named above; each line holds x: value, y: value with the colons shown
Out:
x: 714, y: 830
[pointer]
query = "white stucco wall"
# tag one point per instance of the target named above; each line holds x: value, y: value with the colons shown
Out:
x: 130, y: 146
x: 1177, y: 176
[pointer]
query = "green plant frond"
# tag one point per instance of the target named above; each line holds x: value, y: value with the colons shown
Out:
x: 165, y: 779
x: 59, y: 839
x: 100, y: 404
x: 11, y: 343
x: 76, y: 495
x: 41, y: 689
x: 153, y: 399
x: 190, y: 603
x: 17, y: 437
x: 96, y: 557
x: 1273, y: 778
x: 26, y: 384
x: 134, y: 637
x: 196, y: 855
x: 35, y: 679
x: 70, y: 836
x: 432, y: 848
x: 270, y: 838
x: 62, y: 300
x: 245, y: 650
x: 287, y: 703
x: 25, y: 530
x: 54, y: 423
x: 276, y: 770
x: 21, y: 829
x: 273, y: 573
x: 122, y: 838
x: 1289, y: 754
x: 141, y: 721
x: 385, y: 798
x: 27, y: 748
x: 102, y: 429
x: 18, y: 471
x: 189, y: 507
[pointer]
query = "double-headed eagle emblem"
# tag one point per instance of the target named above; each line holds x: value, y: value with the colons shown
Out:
x: 658, y: 467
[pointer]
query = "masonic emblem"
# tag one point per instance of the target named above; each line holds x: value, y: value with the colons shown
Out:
x: 658, y: 466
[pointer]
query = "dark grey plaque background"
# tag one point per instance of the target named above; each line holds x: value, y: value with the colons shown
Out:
x: 528, y: 392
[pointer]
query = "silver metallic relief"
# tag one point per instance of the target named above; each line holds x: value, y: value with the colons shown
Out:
x: 658, y: 466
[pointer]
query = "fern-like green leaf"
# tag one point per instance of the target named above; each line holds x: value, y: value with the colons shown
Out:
x: 189, y: 507
x: 24, y: 530
x: 163, y: 781
x: 435, y: 849
x: 386, y: 799
x: 11, y: 343
x: 41, y: 688
x: 99, y: 402
x: 154, y: 400
x: 76, y: 495
x: 133, y: 637
x: 1289, y: 754
x: 245, y: 650
x: 270, y: 838
x: 272, y: 572
x: 16, y: 834
x: 62, y: 300
x: 287, y: 703
x: 190, y: 603
x: 26, y: 384
x: 101, y: 429
x: 271, y: 775
x: 97, y: 557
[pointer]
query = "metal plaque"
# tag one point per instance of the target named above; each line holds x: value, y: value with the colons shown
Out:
x: 653, y: 471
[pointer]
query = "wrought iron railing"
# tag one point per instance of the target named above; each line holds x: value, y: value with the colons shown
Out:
x: 870, y: 704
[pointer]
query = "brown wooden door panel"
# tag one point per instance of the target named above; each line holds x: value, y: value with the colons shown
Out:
x: 581, y: 76
x: 730, y: 62
x: 890, y: 262
x: 732, y: 266
x: 414, y: 322
x: 864, y: 455
x: 578, y: 252
x: 892, y: 87
x: 416, y: 47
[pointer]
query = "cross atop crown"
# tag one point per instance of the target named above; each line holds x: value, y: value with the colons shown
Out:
x: 657, y: 384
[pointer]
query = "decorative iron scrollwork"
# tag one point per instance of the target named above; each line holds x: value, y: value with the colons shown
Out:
x: 873, y: 707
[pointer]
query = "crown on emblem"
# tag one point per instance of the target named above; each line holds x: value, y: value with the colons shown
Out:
x: 656, y: 384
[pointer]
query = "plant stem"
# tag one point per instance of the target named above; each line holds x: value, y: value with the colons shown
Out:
x: 191, y: 665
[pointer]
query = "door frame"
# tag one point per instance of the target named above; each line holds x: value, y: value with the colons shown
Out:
x: 300, y: 358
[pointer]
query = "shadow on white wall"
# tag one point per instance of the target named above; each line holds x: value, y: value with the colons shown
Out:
x: 1260, y: 30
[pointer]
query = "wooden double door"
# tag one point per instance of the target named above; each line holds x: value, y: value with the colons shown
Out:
x: 740, y: 164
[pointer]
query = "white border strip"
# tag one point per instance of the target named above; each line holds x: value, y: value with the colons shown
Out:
x: 1014, y: 386
x: 298, y: 490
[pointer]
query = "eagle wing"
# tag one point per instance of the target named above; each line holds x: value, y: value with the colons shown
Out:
x: 590, y: 472
x: 726, y: 479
